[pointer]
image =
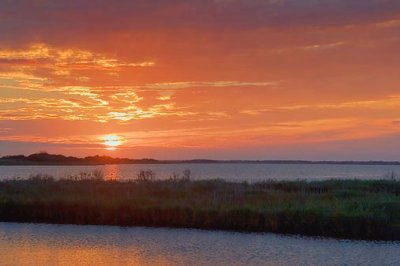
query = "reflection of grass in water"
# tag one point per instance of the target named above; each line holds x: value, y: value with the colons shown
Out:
x: 368, y: 209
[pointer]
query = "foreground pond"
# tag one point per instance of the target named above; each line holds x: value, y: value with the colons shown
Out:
x: 39, y: 244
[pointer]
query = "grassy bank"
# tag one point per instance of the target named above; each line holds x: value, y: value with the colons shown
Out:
x: 336, y: 208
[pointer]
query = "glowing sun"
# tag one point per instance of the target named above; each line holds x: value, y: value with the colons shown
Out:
x: 112, y: 142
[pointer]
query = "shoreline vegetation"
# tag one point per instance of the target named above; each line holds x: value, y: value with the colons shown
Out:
x: 350, y: 209
x: 44, y: 158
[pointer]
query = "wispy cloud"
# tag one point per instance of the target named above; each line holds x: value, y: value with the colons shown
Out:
x: 43, y: 55
x: 388, y: 103
x: 215, y: 84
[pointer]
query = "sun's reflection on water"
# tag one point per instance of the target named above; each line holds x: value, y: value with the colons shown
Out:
x: 112, y: 172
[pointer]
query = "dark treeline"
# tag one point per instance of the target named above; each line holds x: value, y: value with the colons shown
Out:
x: 44, y: 158
x: 351, y: 209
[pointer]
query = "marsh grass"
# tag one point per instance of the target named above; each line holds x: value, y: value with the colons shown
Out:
x: 357, y: 209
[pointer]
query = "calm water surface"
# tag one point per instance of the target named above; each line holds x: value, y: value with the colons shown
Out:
x: 232, y: 172
x: 33, y: 244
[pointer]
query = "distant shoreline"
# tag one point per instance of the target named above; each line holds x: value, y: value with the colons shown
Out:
x: 60, y: 160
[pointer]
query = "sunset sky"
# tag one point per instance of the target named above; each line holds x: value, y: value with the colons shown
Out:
x: 219, y: 79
